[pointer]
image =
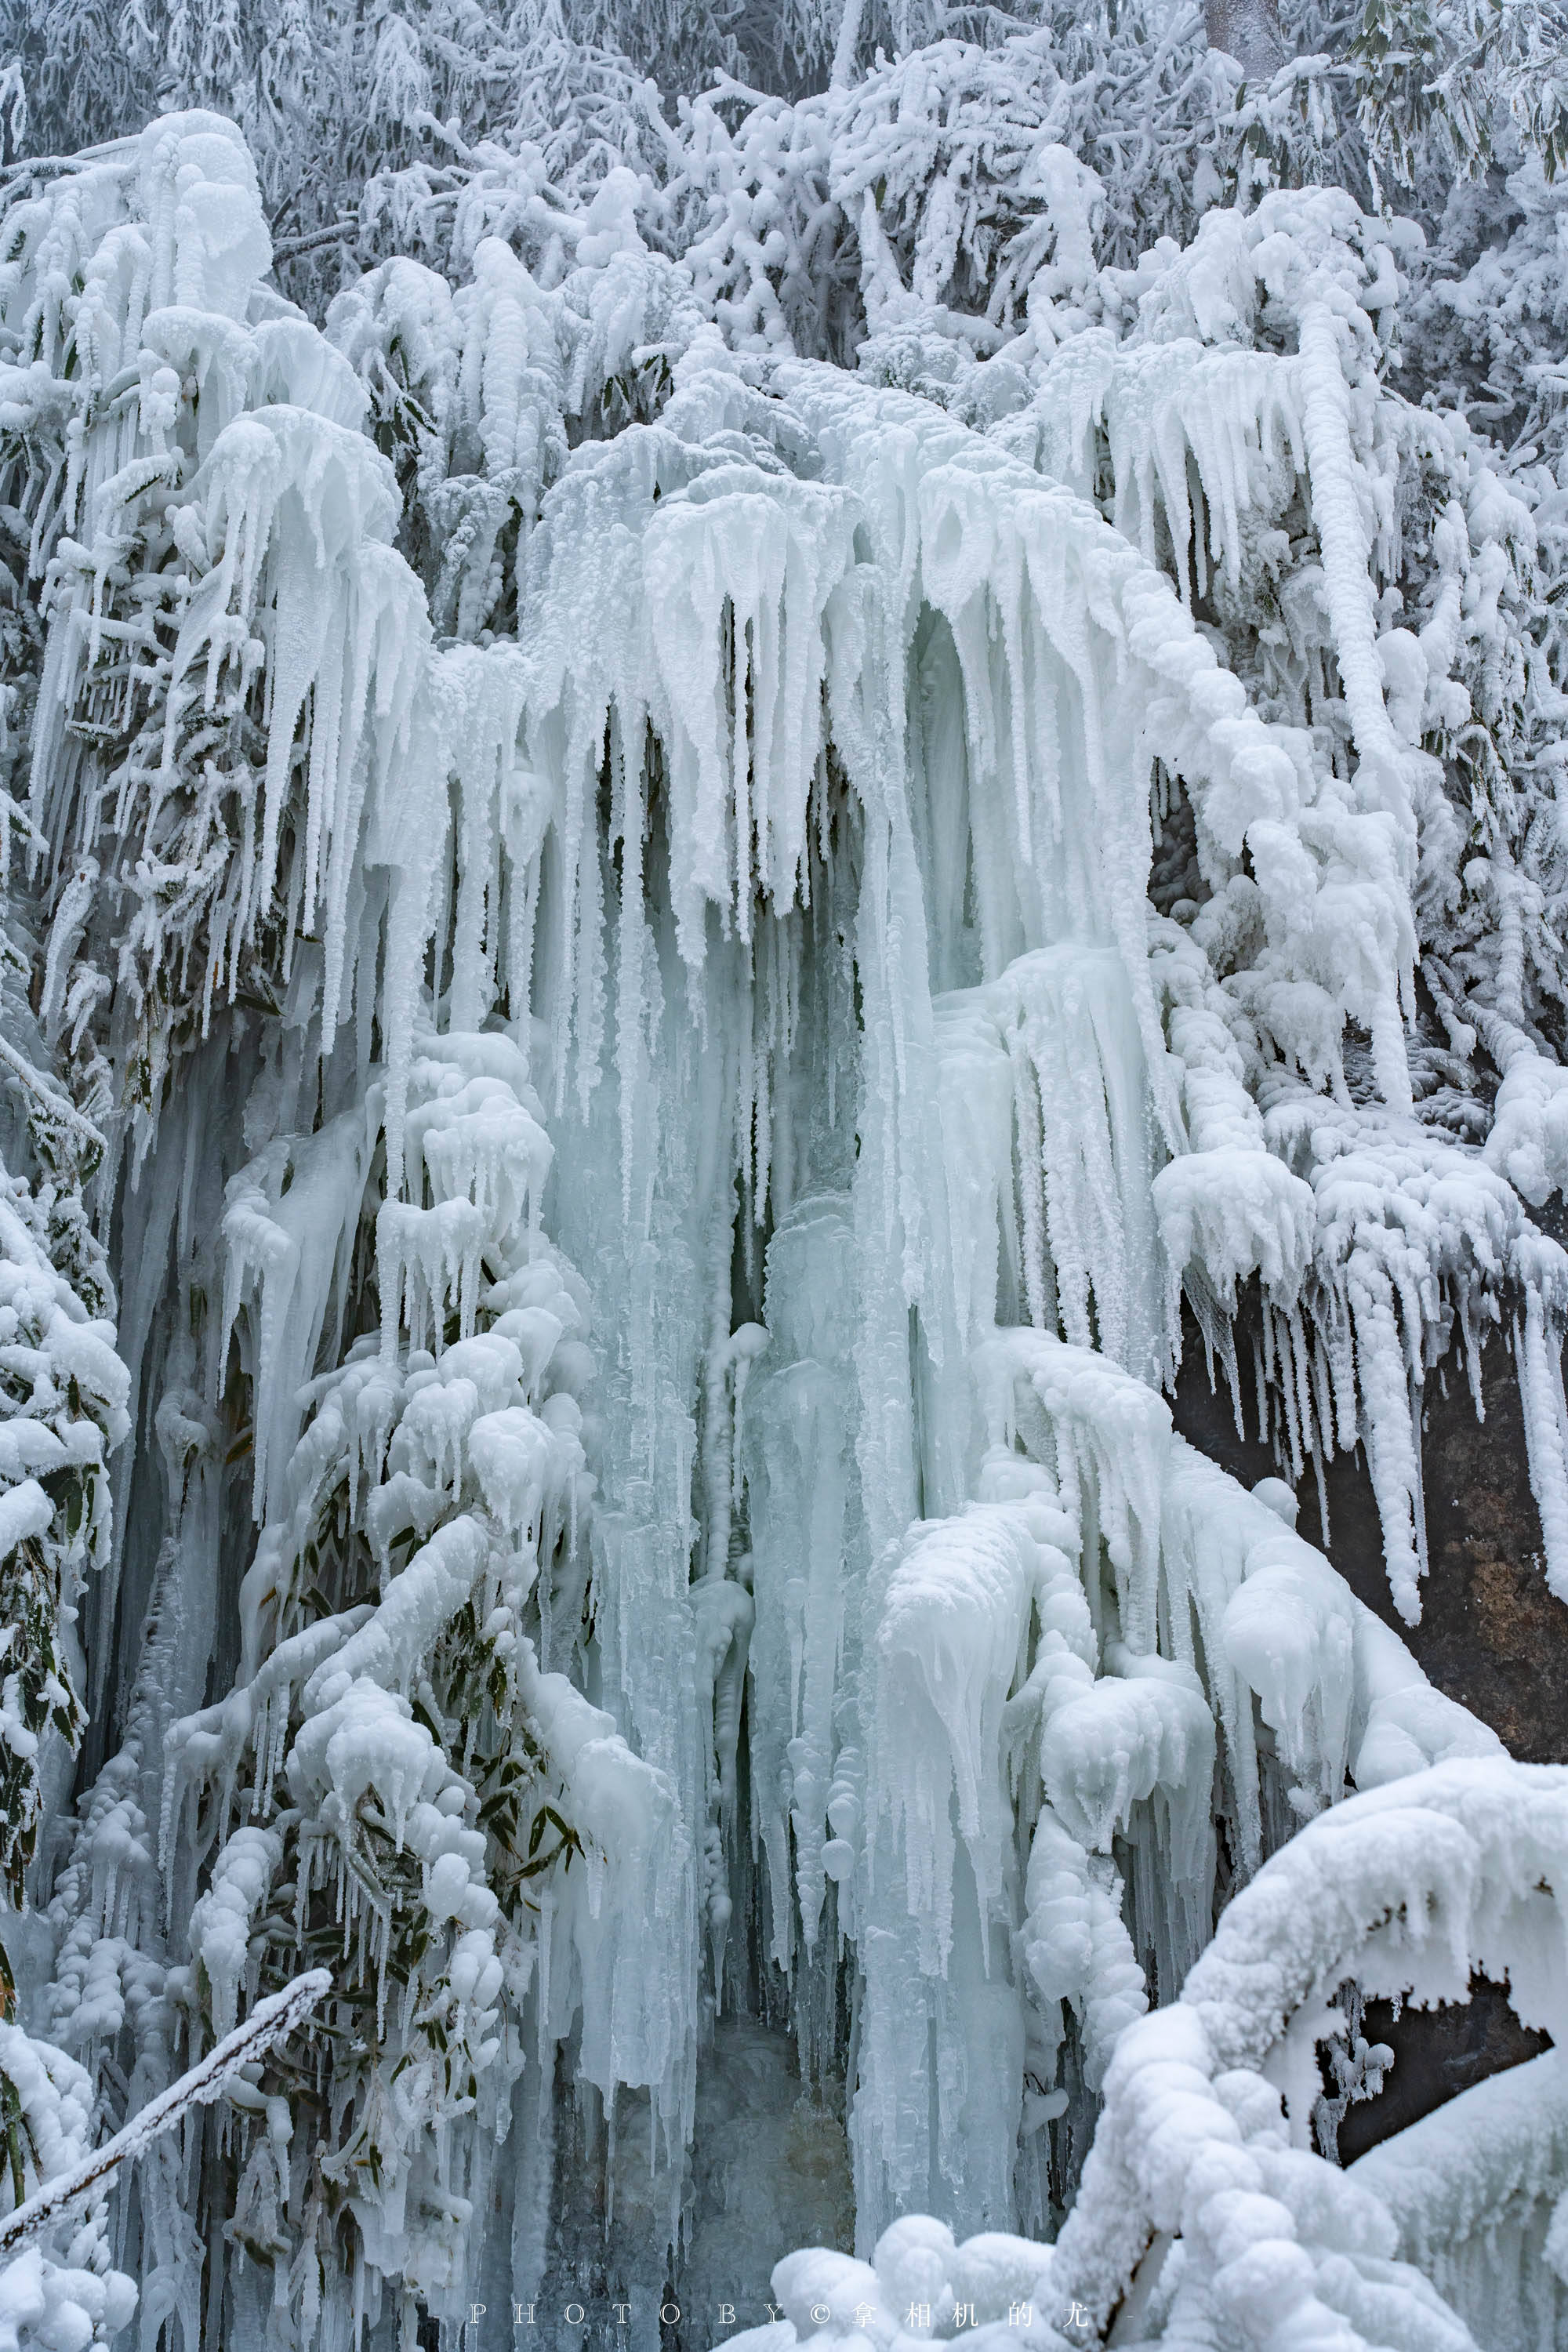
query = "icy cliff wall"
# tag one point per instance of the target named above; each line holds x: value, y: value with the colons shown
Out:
x: 675, y: 961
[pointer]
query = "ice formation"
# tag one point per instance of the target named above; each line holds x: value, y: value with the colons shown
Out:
x: 1206, y: 2215
x: 667, y: 977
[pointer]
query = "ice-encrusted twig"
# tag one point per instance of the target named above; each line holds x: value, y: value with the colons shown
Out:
x: 51, y: 1096
x: 268, y: 2022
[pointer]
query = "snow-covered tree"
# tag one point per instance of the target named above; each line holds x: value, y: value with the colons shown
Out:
x: 762, y: 793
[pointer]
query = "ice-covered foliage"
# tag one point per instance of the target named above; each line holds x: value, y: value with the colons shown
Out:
x: 62, y: 1414
x: 693, y: 876
x: 63, y: 1389
x: 61, y: 2287
x: 1206, y: 2215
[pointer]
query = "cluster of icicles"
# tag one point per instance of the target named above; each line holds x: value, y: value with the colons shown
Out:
x: 793, y: 856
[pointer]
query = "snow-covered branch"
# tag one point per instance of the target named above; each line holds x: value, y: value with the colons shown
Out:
x: 269, y: 2022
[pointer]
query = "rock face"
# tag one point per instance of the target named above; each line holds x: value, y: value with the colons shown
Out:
x: 1439, y: 2053
x: 1490, y: 1634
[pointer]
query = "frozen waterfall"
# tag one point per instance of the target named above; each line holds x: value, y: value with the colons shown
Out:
x: 669, y: 978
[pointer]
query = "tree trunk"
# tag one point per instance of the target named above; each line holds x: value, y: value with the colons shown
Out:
x: 1247, y: 30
